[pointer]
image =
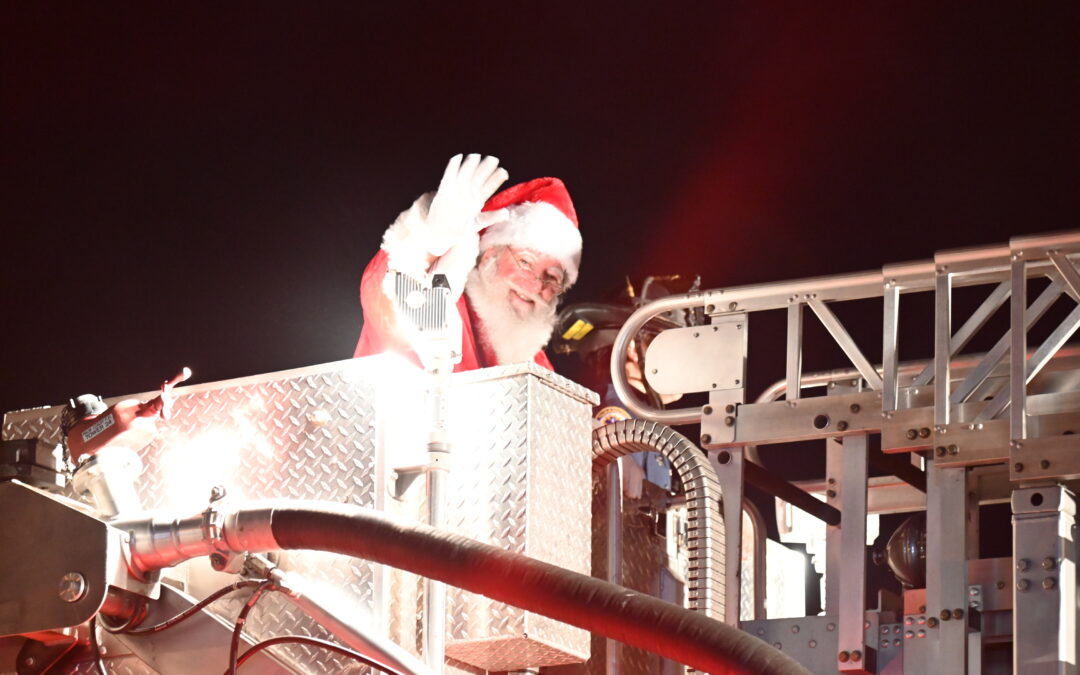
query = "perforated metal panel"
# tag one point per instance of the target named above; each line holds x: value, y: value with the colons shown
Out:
x: 520, y: 438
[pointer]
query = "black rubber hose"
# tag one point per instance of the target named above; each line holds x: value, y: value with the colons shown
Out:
x: 594, y: 605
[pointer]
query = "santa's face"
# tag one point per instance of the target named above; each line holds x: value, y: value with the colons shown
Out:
x: 515, y: 292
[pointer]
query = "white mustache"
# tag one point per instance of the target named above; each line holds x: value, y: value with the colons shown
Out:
x: 534, y: 297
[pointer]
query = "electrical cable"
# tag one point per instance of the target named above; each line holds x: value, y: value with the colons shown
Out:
x: 99, y: 663
x: 190, y: 611
x: 315, y: 642
x: 238, y: 628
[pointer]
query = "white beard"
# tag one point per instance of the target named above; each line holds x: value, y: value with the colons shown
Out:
x: 513, y: 338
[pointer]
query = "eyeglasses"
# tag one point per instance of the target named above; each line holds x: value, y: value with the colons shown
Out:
x: 547, y: 278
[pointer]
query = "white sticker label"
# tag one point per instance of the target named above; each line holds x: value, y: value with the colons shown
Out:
x: 97, y: 427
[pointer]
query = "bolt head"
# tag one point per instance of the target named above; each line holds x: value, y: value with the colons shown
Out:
x: 912, y: 434
x: 1048, y: 563
x: 1018, y: 467
x: 1023, y: 564
x: 706, y: 439
x: 1049, y: 583
x: 924, y: 432
x: 939, y: 451
x: 1023, y: 585
x: 707, y: 410
x: 1044, y: 464
x: 729, y: 421
x: 841, y: 425
x: 855, y: 407
x: 932, y: 622
x: 843, y: 657
x: 958, y: 613
x: 945, y: 615
x: 856, y: 656
x: 72, y: 587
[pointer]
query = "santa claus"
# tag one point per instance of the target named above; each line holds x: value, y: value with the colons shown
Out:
x: 507, y: 258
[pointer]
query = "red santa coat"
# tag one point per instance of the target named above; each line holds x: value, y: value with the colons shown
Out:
x: 381, y: 333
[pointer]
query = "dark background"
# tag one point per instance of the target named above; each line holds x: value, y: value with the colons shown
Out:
x: 202, y: 184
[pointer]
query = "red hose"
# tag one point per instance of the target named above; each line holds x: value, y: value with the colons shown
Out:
x: 594, y: 605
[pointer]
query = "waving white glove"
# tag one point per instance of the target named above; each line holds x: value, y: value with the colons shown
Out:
x: 455, y: 213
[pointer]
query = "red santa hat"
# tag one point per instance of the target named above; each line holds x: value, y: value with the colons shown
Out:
x: 541, y: 217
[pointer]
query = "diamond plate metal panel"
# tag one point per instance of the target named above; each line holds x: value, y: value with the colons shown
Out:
x: 521, y: 439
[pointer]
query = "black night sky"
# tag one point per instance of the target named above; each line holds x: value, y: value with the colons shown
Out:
x: 202, y: 183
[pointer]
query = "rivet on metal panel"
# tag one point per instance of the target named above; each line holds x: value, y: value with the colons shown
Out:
x: 1023, y: 564
x: 958, y: 613
x: 856, y: 656
x: 777, y: 645
x: 1000, y: 585
x: 884, y: 630
x: 707, y: 410
x: 945, y: 615
x: 710, y: 308
x: 925, y: 432
x: 896, y: 642
x: 830, y: 493
x: 855, y: 408
x: 842, y: 425
x: 706, y: 439
x: 1048, y: 563
x: 908, y: 621
x: 795, y: 628
x: 729, y: 408
x: 1049, y: 583
x: 729, y: 421
x: 953, y: 449
x: 932, y: 622
x: 908, y: 635
x: 912, y: 434
x: 830, y: 627
x: 1023, y: 585
x: 843, y: 657
x: 1018, y: 467
x: 812, y: 644
x: 1044, y: 464
x: 940, y: 451
x: 922, y: 633
x: 732, y: 305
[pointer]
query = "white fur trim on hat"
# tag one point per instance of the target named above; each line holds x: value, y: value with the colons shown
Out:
x: 541, y: 227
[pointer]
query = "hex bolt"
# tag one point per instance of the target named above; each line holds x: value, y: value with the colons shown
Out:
x: 924, y: 432
x: 843, y: 657
x: 841, y: 425
x: 1049, y: 583
x: 706, y: 439
x: 707, y: 410
x: 855, y: 407
x: 856, y: 656
x: 729, y: 421
x: 1048, y: 563
x: 1044, y: 464
x: 1023, y: 585
x: 1018, y: 467
x: 932, y: 622
x: 958, y: 613
x: 912, y: 434
x: 72, y: 587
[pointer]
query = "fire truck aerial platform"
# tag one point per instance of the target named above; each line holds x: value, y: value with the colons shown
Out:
x: 372, y: 515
